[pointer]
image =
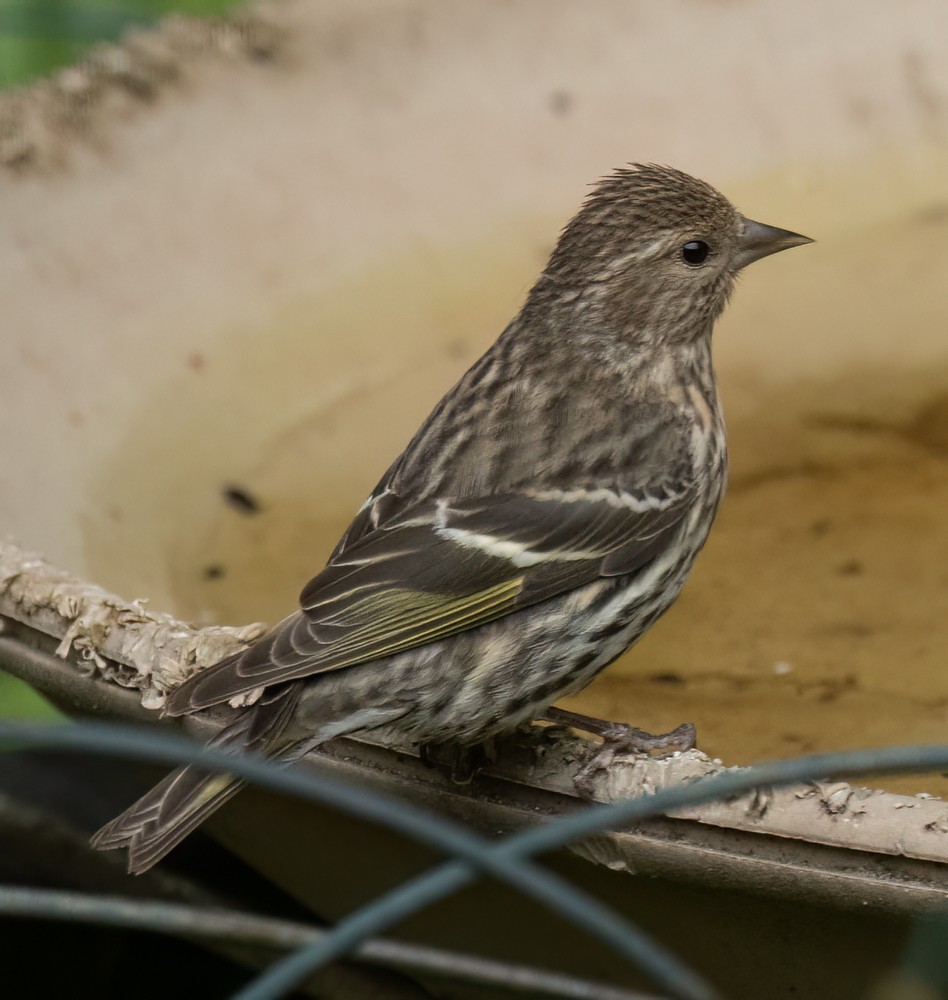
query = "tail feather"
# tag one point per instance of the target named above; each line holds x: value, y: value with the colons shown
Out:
x: 164, y: 816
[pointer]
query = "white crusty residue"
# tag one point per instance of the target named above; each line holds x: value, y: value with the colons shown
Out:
x: 117, y: 639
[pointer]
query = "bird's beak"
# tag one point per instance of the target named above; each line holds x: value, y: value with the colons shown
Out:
x: 757, y: 240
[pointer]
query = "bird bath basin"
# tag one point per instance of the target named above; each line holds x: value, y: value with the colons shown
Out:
x: 226, y: 309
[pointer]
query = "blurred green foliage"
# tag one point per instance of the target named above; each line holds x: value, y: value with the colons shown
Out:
x: 20, y: 701
x: 39, y: 36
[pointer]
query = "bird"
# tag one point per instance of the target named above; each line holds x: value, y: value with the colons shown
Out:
x: 542, y: 518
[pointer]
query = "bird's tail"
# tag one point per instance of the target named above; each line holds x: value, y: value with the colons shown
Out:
x: 164, y: 816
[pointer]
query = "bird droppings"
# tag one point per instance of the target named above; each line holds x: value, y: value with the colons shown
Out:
x: 851, y: 567
x: 241, y: 499
x: 561, y: 102
x: 667, y: 677
x: 835, y: 798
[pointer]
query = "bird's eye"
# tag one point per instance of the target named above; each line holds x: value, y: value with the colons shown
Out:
x: 695, y: 252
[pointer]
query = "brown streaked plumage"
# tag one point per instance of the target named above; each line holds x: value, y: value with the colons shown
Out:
x: 544, y: 515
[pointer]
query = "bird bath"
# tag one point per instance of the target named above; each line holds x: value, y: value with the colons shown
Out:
x: 227, y: 308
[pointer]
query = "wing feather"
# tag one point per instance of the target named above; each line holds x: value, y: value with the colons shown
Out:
x: 433, y: 569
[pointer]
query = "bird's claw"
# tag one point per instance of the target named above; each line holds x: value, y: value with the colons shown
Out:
x: 460, y: 764
x: 623, y: 737
x: 619, y: 737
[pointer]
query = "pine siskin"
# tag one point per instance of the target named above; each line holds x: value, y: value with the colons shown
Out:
x: 543, y: 517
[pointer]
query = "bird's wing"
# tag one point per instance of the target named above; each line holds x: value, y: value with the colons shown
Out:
x: 439, y: 568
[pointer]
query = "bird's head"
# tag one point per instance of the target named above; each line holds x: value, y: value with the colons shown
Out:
x: 654, y: 252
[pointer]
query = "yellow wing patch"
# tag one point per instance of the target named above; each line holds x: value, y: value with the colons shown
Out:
x: 399, y: 619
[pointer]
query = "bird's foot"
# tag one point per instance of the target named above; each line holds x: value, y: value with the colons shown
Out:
x: 619, y: 737
x: 461, y: 764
